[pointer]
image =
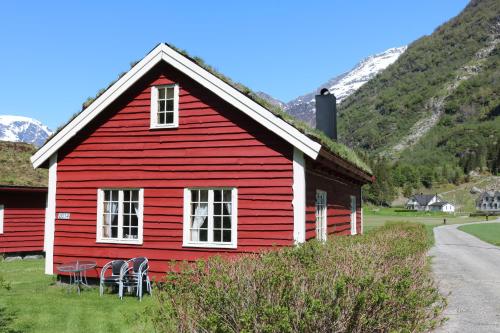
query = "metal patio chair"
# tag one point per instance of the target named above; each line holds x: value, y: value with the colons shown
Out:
x: 117, y: 269
x: 136, y: 276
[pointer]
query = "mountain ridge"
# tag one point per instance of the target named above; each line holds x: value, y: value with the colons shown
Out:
x: 23, y: 129
x: 342, y: 85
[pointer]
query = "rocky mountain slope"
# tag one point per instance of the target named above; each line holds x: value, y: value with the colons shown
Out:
x: 444, y: 81
x: 23, y: 129
x: 343, y: 85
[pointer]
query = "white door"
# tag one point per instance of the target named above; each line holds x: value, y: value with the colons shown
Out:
x: 321, y: 208
x: 353, y: 215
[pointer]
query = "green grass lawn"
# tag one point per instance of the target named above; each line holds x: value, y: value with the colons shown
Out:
x: 40, y: 305
x: 375, y: 217
x: 488, y: 232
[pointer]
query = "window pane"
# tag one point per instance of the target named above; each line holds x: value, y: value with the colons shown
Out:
x: 170, y: 105
x: 227, y: 222
x: 126, y: 220
x: 125, y: 232
x: 194, y: 195
x: 226, y: 236
x: 169, y: 118
x: 126, y: 195
x: 203, y: 235
x: 161, y: 118
x: 217, y: 209
x: 107, y: 195
x: 170, y: 92
x: 227, y: 196
x: 114, y: 195
x: 134, y: 233
x: 217, y: 235
x: 204, y: 195
x: 161, y: 106
x: 135, y: 195
x: 114, y: 232
x: 114, y: 219
x: 126, y: 207
x: 227, y: 209
x: 134, y: 221
x: 105, y: 231
x: 217, y: 222
x: 217, y: 195
x: 161, y: 93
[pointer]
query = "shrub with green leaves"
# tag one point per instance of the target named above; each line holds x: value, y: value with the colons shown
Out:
x: 378, y: 282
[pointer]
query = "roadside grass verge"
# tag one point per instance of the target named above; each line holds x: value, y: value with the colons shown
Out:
x: 488, y: 232
x: 375, y: 217
x: 401, y: 212
x: 378, y: 282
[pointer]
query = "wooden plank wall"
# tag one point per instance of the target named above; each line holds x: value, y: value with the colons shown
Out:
x: 339, y: 191
x: 24, y: 218
x: 215, y: 145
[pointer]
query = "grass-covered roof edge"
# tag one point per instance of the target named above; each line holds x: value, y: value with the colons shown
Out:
x: 333, y: 147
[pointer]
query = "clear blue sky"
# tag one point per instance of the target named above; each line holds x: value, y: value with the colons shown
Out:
x: 56, y: 54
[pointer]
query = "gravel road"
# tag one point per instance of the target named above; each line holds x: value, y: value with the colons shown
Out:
x: 467, y: 270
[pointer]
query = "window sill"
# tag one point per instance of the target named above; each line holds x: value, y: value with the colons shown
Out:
x: 159, y: 127
x: 211, y: 245
x: 120, y: 241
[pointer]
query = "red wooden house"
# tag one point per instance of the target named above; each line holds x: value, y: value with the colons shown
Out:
x: 172, y: 162
x: 22, y: 217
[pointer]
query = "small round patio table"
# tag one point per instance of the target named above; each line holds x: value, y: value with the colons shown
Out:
x: 77, y: 270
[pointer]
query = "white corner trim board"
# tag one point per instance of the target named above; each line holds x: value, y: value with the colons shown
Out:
x: 50, y: 217
x: 164, y: 53
x: 299, y: 197
x: 1, y: 219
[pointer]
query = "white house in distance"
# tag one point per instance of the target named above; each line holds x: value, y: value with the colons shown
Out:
x: 429, y: 202
x: 488, y: 201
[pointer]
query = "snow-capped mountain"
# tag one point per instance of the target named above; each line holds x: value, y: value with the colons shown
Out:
x: 23, y: 129
x: 345, y: 84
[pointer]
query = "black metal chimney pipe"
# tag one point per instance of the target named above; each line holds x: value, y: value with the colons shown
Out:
x: 326, y: 113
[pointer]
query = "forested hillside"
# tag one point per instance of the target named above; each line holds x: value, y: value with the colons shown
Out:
x: 432, y: 116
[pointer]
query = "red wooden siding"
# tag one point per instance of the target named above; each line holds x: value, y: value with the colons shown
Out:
x: 339, y: 190
x: 215, y: 145
x: 24, y: 218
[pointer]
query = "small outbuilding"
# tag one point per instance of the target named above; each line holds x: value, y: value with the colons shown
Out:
x: 429, y: 202
x: 442, y: 206
x: 22, y: 218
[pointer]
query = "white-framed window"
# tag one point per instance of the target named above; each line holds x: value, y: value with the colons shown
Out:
x: 210, y: 217
x: 1, y: 219
x: 165, y: 106
x: 321, y: 213
x: 353, y: 215
x: 120, y: 215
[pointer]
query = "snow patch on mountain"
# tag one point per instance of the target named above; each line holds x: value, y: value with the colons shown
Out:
x: 23, y: 129
x: 343, y: 85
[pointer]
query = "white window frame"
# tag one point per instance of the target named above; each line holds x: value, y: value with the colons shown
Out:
x: 353, y: 215
x: 1, y: 218
x: 154, y: 107
x: 100, y: 211
x: 321, y: 216
x: 186, y: 242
